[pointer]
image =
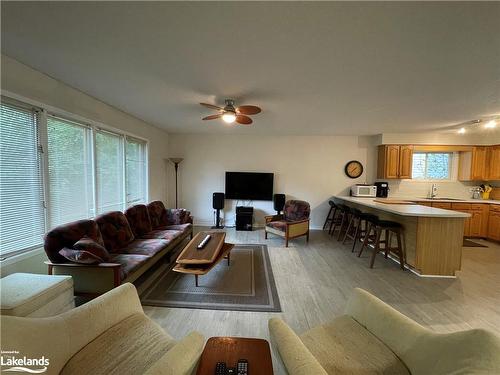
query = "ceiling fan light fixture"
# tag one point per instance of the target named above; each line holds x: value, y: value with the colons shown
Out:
x: 229, y: 117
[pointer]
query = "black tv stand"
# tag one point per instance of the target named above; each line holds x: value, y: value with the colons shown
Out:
x: 244, y: 218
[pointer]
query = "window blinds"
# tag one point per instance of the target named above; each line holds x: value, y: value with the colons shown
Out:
x: 135, y: 162
x: 22, y: 215
x: 70, y: 171
x: 109, y: 171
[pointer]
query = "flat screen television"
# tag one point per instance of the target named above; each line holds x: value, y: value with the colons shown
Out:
x: 249, y: 185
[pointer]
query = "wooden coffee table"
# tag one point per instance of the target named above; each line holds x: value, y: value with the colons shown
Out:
x: 200, y: 262
x: 231, y: 349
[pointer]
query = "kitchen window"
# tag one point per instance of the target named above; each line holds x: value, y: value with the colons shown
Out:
x: 55, y: 169
x: 432, y: 166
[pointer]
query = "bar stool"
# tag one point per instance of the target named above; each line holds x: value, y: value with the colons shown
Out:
x: 337, y: 218
x: 361, y: 228
x: 353, y: 225
x: 345, y: 214
x: 390, y: 228
x: 331, y: 215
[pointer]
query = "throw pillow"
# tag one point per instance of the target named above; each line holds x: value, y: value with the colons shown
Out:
x: 88, y: 244
x: 80, y: 256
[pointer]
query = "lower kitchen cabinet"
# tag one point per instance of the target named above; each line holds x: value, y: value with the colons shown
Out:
x: 494, y: 223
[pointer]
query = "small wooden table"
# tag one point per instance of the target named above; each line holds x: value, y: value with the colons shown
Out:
x: 231, y: 349
x: 200, y: 262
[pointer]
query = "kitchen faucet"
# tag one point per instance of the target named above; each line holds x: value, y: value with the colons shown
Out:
x: 434, y: 190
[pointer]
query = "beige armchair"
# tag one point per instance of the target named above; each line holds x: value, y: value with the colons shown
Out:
x: 373, y: 338
x: 292, y: 224
x: 108, y: 335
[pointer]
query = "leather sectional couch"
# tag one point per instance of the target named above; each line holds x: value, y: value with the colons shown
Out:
x: 135, y: 240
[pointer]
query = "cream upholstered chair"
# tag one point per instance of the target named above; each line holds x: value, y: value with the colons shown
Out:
x: 372, y: 337
x: 108, y: 335
x: 293, y: 223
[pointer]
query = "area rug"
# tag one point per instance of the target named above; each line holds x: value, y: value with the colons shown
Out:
x: 468, y: 243
x: 247, y: 284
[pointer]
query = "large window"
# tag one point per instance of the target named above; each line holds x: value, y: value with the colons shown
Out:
x: 432, y: 165
x: 110, y: 179
x: 70, y: 171
x: 22, y: 215
x: 136, y: 176
x: 54, y: 170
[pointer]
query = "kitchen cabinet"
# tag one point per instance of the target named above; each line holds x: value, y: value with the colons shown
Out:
x: 443, y: 205
x: 477, y: 224
x: 464, y: 207
x: 394, y: 161
x: 494, y: 163
x: 476, y: 165
x: 494, y: 223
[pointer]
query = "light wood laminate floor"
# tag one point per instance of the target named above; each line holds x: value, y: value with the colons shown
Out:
x: 314, y: 281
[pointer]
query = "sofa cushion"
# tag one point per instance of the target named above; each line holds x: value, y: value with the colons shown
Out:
x: 279, y: 225
x: 131, y: 346
x: 80, y: 256
x: 25, y: 293
x: 157, y: 214
x: 184, y: 228
x: 138, y: 218
x: 164, y: 234
x: 296, y: 210
x: 129, y: 262
x: 147, y: 247
x: 66, y: 235
x: 115, y: 230
x: 345, y: 347
x: 88, y: 244
x: 177, y: 216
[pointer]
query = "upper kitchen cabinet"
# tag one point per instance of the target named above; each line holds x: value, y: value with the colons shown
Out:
x: 494, y: 163
x: 482, y: 163
x: 394, y: 161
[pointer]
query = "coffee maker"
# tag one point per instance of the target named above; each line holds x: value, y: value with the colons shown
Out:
x: 382, y: 189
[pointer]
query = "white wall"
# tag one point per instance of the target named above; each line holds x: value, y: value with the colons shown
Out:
x: 22, y: 80
x: 310, y: 168
x: 480, y: 137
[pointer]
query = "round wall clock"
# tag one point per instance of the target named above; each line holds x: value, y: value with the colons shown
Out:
x: 353, y: 169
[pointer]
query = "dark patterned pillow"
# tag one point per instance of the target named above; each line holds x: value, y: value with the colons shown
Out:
x: 80, y: 256
x: 88, y: 244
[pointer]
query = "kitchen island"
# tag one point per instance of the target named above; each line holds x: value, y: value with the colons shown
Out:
x: 433, y: 237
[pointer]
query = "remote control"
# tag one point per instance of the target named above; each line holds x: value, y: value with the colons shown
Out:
x: 220, y: 368
x: 242, y: 367
x: 204, y: 242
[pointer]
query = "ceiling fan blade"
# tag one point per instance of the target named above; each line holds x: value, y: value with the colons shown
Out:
x: 211, y: 106
x: 212, y: 117
x: 244, y: 120
x: 248, y: 110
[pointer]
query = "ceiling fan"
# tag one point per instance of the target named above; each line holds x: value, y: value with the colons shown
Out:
x: 229, y: 113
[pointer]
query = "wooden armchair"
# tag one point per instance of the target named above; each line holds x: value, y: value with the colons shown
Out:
x: 292, y: 224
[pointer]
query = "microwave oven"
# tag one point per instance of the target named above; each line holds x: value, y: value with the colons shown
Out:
x: 364, y: 191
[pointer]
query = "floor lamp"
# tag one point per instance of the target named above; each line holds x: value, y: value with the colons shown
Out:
x: 176, y: 162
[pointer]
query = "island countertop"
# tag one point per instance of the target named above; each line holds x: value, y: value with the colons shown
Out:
x: 414, y: 210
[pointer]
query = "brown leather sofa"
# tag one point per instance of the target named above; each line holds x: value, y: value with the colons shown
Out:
x: 135, y: 240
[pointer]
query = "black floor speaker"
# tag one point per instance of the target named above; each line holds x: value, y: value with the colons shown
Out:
x: 218, y: 204
x: 279, y: 202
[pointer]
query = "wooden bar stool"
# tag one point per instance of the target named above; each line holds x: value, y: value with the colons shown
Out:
x: 337, y: 218
x: 362, y: 228
x: 354, y: 221
x: 331, y: 215
x: 388, y: 228
x: 345, y: 215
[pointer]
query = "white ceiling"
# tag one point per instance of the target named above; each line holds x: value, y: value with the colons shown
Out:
x: 314, y: 68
